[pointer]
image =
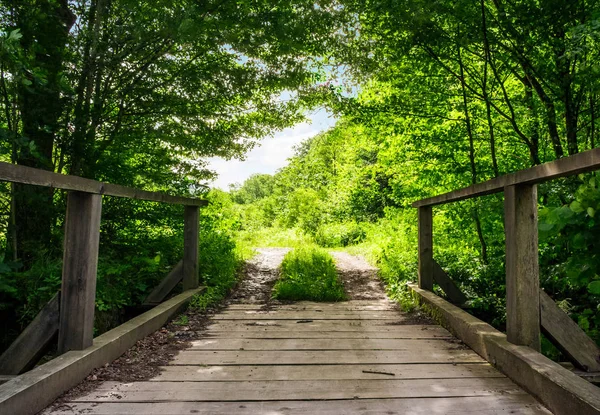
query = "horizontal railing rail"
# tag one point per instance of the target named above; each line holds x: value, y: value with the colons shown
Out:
x: 28, y: 175
x: 71, y: 312
x: 580, y: 163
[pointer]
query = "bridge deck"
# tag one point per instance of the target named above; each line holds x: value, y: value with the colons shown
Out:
x: 353, y: 357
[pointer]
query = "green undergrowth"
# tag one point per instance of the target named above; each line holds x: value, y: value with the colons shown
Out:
x: 308, y: 274
x: 272, y: 237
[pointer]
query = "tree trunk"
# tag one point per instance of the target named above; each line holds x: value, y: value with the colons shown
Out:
x: 486, y: 97
x: 45, y: 29
x: 471, y: 154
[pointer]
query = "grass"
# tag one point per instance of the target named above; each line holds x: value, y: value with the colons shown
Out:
x: 308, y: 274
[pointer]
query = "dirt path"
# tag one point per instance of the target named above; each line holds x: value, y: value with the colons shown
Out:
x: 261, y: 273
x: 359, y: 277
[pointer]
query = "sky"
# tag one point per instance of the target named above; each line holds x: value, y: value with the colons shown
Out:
x: 271, y: 153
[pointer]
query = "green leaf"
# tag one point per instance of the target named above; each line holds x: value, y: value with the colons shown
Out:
x: 594, y: 287
x: 576, y: 207
x: 591, y: 211
x: 15, y: 35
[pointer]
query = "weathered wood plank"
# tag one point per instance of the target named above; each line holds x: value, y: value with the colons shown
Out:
x: 32, y: 343
x: 293, y: 390
x: 167, y: 285
x: 425, y: 248
x: 568, y: 166
x: 454, y: 294
x: 563, y: 392
x: 37, y: 177
x: 481, y: 405
x: 315, y: 372
x: 398, y: 332
x: 306, y: 315
x: 190, y: 248
x: 221, y: 358
x: 308, y: 325
x: 567, y: 335
x: 33, y: 391
x: 80, y: 261
x: 325, y: 307
x: 324, y: 344
x: 522, y: 269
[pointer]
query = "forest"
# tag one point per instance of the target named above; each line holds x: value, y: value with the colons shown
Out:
x: 431, y: 96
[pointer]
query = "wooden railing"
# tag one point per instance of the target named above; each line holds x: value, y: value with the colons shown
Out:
x: 529, y: 310
x: 71, y: 312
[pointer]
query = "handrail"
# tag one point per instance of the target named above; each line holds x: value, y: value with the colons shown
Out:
x: 75, y: 313
x: 569, y: 166
x: 37, y: 177
x: 527, y: 308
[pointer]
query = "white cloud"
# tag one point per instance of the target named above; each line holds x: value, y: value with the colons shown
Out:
x: 271, y: 154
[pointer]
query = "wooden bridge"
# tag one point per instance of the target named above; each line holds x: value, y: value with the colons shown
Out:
x: 350, y: 357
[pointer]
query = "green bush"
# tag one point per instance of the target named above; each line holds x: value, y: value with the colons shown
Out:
x: 340, y: 234
x: 219, y: 257
x: 308, y: 274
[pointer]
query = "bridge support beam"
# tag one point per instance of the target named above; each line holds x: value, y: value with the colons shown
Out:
x: 190, y: 248
x: 522, y: 267
x: 80, y: 263
x: 426, y: 248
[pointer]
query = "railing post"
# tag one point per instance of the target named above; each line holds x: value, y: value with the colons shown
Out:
x: 80, y: 263
x: 426, y: 248
x: 190, y: 247
x: 522, y: 267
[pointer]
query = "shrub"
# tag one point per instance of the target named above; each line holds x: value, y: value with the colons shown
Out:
x: 340, y: 234
x: 308, y: 274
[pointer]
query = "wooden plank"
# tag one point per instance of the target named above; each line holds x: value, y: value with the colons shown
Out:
x: 563, y: 392
x: 308, y: 325
x: 37, y: 177
x: 31, y: 392
x: 307, y: 315
x: 80, y: 261
x: 568, y: 336
x: 190, y: 248
x: 454, y: 294
x: 325, y: 307
x: 398, y: 332
x: 481, y: 405
x: 324, y: 344
x: 579, y: 163
x: 315, y: 372
x: 293, y: 390
x: 327, y: 357
x: 33, y: 342
x: 522, y: 269
x: 426, y: 248
x: 167, y: 285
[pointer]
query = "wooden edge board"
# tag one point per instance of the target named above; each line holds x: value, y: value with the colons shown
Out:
x: 563, y: 392
x: 579, y: 163
x: 34, y: 390
x: 37, y: 177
